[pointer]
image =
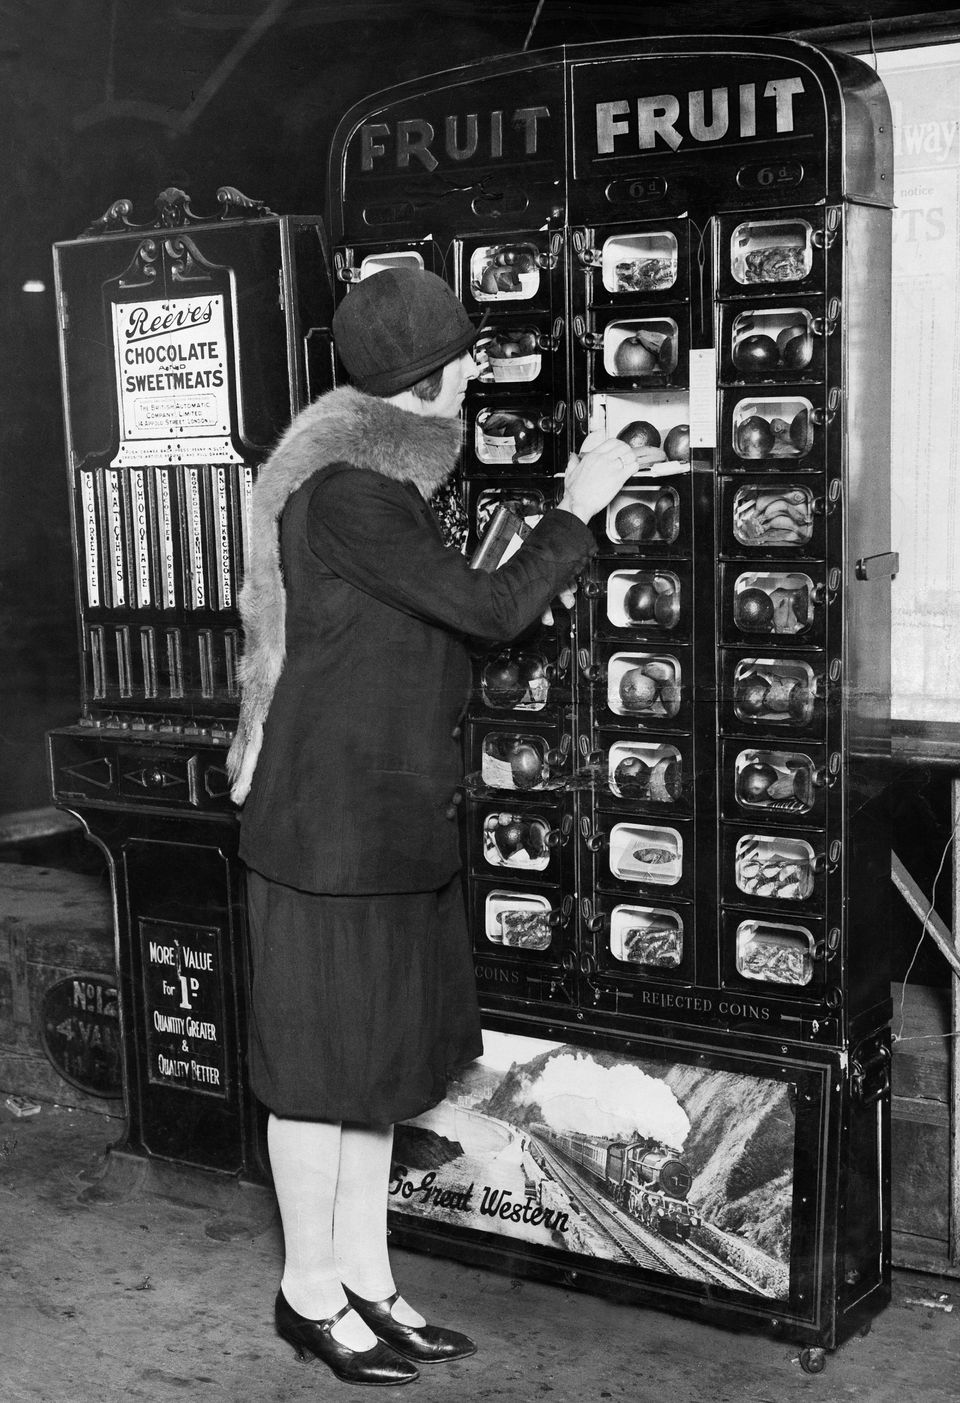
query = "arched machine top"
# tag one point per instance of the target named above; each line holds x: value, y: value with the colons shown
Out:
x: 589, y: 132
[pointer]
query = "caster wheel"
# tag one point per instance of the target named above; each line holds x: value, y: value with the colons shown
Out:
x: 813, y: 1361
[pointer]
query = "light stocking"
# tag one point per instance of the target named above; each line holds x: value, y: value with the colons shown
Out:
x: 304, y: 1160
x: 360, y: 1217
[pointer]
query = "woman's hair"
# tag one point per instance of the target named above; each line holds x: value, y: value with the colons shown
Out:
x: 429, y: 387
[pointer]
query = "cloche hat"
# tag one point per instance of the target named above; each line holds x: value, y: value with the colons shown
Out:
x: 397, y: 326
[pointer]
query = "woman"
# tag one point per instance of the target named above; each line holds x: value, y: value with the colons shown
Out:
x: 355, y: 676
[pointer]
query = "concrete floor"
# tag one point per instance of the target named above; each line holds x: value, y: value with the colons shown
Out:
x: 112, y: 1291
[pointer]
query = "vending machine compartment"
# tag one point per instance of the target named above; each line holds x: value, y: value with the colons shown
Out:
x: 647, y: 518
x: 649, y: 419
x: 783, y: 782
x: 770, y: 604
x: 524, y: 759
x: 646, y: 686
x: 354, y: 262
x: 783, y: 870
x: 637, y: 348
x: 771, y: 342
x: 778, y: 252
x: 647, y: 261
x: 518, y: 838
x: 634, y: 853
x: 528, y: 501
x: 781, y: 516
x: 518, y: 435
x: 778, y: 954
x: 647, y: 774
x: 529, y: 677
x: 532, y: 924
x: 776, y: 428
x: 636, y: 600
x: 524, y: 942
x: 518, y: 351
x: 648, y: 939
x: 515, y: 271
x: 764, y: 693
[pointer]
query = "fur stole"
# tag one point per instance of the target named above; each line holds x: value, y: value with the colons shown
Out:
x: 341, y: 426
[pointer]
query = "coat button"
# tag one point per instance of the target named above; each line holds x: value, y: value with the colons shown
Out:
x: 451, y: 809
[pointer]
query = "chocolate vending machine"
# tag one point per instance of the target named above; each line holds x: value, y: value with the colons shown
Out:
x: 187, y: 344
x: 674, y: 873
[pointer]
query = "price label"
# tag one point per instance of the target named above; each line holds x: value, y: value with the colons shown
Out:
x: 636, y: 189
x: 770, y: 175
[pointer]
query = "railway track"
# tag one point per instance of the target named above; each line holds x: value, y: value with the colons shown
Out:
x: 721, y: 1273
x: 639, y: 1244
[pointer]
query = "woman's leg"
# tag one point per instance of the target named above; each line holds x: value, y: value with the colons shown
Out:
x: 305, y: 1162
x: 360, y: 1217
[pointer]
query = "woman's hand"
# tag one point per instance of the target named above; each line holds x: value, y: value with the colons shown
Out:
x: 595, y: 475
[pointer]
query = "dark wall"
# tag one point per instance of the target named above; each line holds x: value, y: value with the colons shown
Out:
x: 107, y: 98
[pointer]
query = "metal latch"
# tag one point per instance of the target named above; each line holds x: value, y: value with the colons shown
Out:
x: 870, y: 1075
x: 873, y: 567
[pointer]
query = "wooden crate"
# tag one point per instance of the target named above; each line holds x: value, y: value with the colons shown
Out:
x: 922, y: 1127
x: 54, y: 926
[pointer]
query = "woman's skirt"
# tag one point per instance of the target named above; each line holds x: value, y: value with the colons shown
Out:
x: 361, y: 1005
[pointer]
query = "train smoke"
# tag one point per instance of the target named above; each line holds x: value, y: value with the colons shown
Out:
x: 575, y: 1093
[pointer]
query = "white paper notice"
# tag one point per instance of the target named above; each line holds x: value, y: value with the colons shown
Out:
x: 703, y: 399
x: 173, y: 381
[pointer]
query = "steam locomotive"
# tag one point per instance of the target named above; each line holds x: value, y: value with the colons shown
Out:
x: 641, y: 1175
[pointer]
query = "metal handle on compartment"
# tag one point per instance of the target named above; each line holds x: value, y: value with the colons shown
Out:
x: 593, y: 920
x: 550, y: 341
x: 551, y: 257
x: 829, y: 948
x: 561, y: 917
x: 555, y: 424
x: 588, y: 256
x: 829, y: 412
x: 826, y: 326
x: 591, y: 671
x: 589, y: 340
x: 557, y: 837
x: 823, y: 593
x: 557, y: 755
x: 345, y: 272
x: 825, y: 505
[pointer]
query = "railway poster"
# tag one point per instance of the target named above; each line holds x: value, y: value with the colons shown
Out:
x: 668, y: 1166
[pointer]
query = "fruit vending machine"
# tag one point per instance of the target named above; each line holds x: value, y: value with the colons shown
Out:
x: 673, y: 866
x: 187, y: 343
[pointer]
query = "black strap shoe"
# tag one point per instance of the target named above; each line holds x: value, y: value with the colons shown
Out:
x: 426, y: 1344
x: 377, y: 1365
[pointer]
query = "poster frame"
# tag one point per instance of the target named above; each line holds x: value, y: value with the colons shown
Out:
x: 809, y: 1315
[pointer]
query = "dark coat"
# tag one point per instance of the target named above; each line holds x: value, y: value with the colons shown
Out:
x: 359, y: 760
